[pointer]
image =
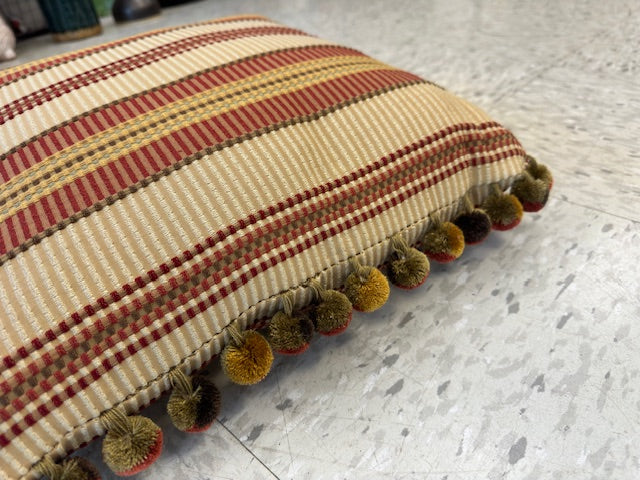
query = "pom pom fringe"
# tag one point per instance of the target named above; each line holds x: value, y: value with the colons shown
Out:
x: 194, y: 403
x: 474, y: 223
x: 290, y: 334
x: 247, y: 359
x: 131, y: 444
x: 366, y: 287
x: 443, y: 242
x: 73, y: 468
x: 333, y: 314
x: 533, y: 186
x: 409, y: 267
x: 504, y: 210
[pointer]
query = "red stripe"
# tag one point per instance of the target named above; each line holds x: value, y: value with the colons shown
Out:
x: 180, y: 320
x: 134, y: 165
x: 18, y: 106
x: 104, y: 118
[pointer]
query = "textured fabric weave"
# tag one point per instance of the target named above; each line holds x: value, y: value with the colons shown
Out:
x: 157, y: 189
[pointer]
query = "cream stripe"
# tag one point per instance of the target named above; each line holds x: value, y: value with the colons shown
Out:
x: 79, y: 66
x: 54, y: 112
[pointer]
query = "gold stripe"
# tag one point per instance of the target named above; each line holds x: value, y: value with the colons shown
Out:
x: 182, y: 113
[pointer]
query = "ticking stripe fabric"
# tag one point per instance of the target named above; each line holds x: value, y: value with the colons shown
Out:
x: 157, y: 189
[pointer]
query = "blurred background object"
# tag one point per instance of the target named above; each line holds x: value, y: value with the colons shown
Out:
x: 24, y: 17
x: 126, y: 10
x: 7, y: 41
x: 71, y: 19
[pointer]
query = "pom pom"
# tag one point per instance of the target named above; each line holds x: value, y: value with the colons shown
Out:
x: 504, y: 210
x: 443, y: 242
x: 290, y: 334
x: 474, y: 223
x: 409, y: 267
x: 194, y: 403
x: 248, y: 358
x: 366, y: 288
x: 75, y: 468
x: 334, y: 312
x: 131, y: 443
x: 475, y: 226
x: 533, y: 186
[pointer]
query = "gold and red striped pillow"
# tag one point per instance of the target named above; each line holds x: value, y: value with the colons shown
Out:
x: 158, y: 189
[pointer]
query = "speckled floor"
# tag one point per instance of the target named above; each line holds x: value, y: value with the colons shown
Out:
x: 522, y: 359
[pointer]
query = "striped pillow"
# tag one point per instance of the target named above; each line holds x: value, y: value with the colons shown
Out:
x: 163, y: 193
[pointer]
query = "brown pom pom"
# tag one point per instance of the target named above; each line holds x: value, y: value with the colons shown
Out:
x: 194, y: 403
x: 290, y: 334
x: 131, y: 444
x: 443, y: 242
x: 248, y: 358
x: 504, y: 210
x: 409, y: 267
x: 366, y: 288
x: 75, y: 468
x: 475, y: 226
x: 334, y: 312
x: 474, y: 223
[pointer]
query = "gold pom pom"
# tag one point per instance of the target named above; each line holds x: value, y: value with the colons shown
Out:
x: 366, y: 288
x: 504, y: 210
x: 131, y: 444
x: 334, y: 312
x: 409, y: 267
x: 248, y: 358
x: 443, y: 242
x: 194, y: 403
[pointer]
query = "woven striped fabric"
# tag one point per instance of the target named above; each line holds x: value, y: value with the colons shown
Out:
x: 159, y: 188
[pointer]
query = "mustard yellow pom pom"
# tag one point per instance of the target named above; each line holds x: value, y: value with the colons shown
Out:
x: 444, y: 242
x: 367, y: 289
x: 290, y: 334
x: 249, y: 361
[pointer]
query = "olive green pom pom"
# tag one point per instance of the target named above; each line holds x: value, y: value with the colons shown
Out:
x: 366, y: 288
x: 504, y: 210
x: 194, y: 403
x: 443, y: 242
x: 533, y: 186
x: 131, y: 443
x: 290, y: 334
x: 533, y: 194
x: 539, y: 171
x: 248, y: 359
x: 75, y: 468
x: 409, y: 267
x: 333, y: 314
